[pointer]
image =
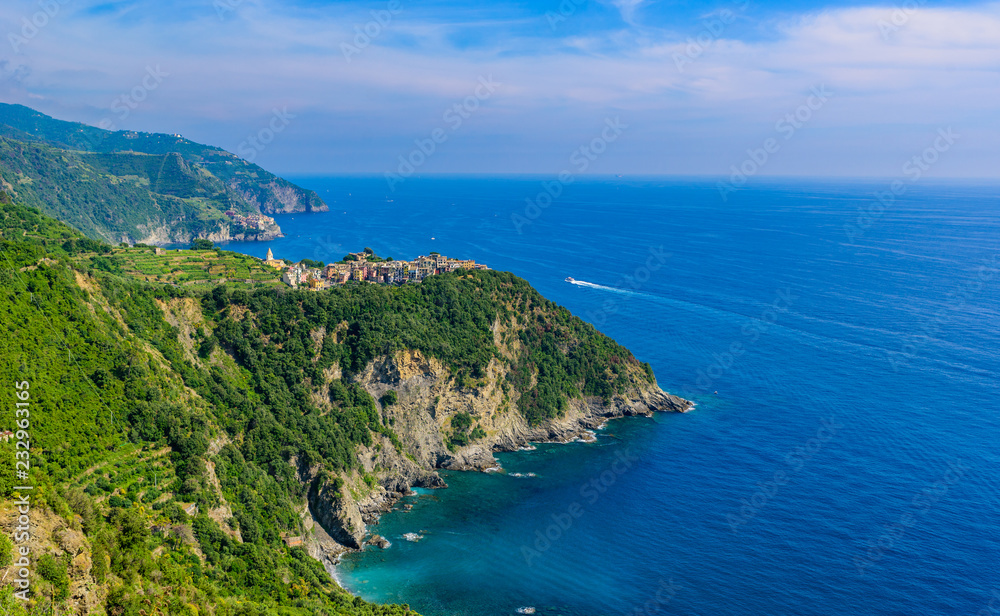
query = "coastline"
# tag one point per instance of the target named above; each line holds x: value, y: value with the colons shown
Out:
x: 369, y: 572
x: 580, y: 424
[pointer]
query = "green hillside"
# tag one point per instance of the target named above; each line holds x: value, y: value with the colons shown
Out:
x: 129, y: 186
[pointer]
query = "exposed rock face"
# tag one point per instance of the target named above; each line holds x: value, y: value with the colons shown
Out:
x: 339, y: 508
x: 336, y: 513
x: 160, y: 233
x: 185, y: 314
x: 278, y: 197
x: 52, y: 534
x: 428, y: 398
x: 344, y: 517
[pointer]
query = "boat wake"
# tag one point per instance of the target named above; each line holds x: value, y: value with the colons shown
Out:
x: 591, y: 285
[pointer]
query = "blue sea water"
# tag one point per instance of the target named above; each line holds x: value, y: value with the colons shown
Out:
x: 844, y: 355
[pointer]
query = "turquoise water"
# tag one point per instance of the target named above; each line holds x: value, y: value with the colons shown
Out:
x: 843, y: 455
x: 490, y: 530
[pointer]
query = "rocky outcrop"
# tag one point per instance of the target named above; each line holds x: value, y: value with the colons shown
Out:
x: 63, y: 539
x: 160, y: 233
x: 343, y: 512
x: 427, y: 400
x: 277, y: 196
x: 317, y: 542
x: 339, y: 507
x: 339, y: 516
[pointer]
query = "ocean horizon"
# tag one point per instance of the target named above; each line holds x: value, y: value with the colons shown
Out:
x: 839, y: 339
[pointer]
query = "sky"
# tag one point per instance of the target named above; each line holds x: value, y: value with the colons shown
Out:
x: 727, y: 88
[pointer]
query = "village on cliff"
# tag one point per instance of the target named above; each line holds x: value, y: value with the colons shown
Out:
x: 366, y: 267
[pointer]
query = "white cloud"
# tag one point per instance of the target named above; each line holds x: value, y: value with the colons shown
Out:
x: 627, y: 8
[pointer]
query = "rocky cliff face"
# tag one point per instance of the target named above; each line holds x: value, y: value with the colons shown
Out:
x: 158, y: 235
x: 338, y: 518
x: 429, y: 398
x: 278, y: 197
x: 55, y: 535
x: 428, y: 401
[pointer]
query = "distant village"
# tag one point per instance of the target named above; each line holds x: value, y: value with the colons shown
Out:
x: 253, y: 221
x: 367, y: 267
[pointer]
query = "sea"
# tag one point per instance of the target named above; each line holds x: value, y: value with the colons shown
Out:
x: 841, y: 341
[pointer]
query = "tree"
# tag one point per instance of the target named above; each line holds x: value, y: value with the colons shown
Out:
x: 207, y: 346
x: 389, y: 398
x: 202, y: 244
x: 54, y: 571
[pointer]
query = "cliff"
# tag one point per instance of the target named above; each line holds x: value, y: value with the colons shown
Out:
x: 428, y: 400
x: 482, y: 364
x: 159, y: 233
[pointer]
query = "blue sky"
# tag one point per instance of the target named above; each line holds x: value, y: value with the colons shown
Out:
x: 699, y: 88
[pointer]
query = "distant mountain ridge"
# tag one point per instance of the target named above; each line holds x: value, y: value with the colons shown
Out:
x: 138, y: 187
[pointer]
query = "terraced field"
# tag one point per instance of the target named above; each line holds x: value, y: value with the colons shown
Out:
x: 194, y: 267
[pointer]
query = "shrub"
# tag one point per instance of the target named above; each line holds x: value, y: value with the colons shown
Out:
x: 118, y: 501
x: 206, y: 348
x: 54, y: 571
x: 6, y: 551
